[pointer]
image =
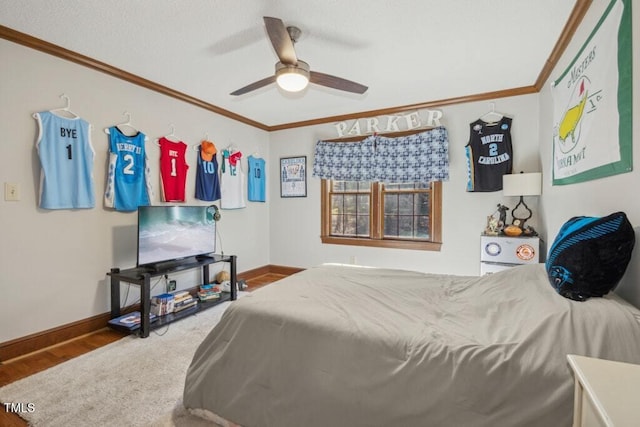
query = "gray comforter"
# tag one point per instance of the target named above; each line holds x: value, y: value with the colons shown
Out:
x: 350, y: 346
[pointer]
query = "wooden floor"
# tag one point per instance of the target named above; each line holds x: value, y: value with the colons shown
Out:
x: 21, y: 367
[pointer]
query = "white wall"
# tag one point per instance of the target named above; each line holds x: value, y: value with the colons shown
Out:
x: 53, y: 264
x: 295, y: 223
x: 597, y: 197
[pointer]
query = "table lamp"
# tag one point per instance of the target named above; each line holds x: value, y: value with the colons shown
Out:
x: 522, y: 184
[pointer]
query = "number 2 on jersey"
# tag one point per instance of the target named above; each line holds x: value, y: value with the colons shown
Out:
x: 129, y: 167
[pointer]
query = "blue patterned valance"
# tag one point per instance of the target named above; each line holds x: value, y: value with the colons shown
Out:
x: 421, y: 157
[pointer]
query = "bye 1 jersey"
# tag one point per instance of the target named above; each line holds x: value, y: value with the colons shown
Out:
x: 66, y: 159
x: 173, y: 170
x: 489, y: 154
x: 128, y: 184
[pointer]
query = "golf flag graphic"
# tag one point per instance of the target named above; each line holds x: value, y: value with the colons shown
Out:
x: 586, y: 107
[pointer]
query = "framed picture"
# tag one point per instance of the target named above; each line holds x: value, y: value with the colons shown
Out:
x: 293, y: 176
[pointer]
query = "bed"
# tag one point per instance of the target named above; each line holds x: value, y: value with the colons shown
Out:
x: 338, y: 345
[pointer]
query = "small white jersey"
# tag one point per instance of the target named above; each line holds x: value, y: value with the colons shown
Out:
x: 232, y: 185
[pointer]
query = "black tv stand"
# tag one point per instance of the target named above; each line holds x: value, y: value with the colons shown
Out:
x: 141, y: 276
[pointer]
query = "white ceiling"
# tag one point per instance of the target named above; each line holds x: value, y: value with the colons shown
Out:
x: 406, y: 51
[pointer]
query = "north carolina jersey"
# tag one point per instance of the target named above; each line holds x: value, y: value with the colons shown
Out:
x: 128, y: 184
x: 66, y: 159
x: 207, y: 182
x: 257, y: 179
x: 489, y: 154
x: 231, y: 181
x: 173, y: 170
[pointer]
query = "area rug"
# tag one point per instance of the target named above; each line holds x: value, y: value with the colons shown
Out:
x: 131, y: 382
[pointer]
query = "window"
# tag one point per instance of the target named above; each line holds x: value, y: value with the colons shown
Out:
x: 383, y: 215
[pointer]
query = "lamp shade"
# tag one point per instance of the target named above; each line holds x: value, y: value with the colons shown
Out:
x: 522, y: 184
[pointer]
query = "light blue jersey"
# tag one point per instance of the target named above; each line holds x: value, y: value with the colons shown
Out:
x: 66, y: 158
x: 128, y: 184
x: 257, y: 180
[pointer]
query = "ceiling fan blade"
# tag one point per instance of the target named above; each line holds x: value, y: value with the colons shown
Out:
x: 336, y: 82
x: 280, y: 40
x: 254, y: 86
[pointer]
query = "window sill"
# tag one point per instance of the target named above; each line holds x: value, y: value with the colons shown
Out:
x: 395, y: 244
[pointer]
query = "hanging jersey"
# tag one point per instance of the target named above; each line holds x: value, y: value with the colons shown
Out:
x: 128, y: 184
x: 489, y: 154
x: 207, y: 182
x: 231, y: 181
x: 66, y: 160
x: 173, y: 170
x: 257, y: 180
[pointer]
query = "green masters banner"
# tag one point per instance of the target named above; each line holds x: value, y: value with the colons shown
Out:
x: 592, y: 103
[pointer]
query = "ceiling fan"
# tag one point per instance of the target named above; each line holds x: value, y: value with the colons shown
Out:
x: 292, y: 74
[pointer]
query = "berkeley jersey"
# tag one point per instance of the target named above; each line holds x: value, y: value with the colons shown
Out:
x: 207, y: 182
x: 257, y: 180
x: 489, y: 154
x: 66, y: 159
x: 173, y: 170
x: 128, y: 184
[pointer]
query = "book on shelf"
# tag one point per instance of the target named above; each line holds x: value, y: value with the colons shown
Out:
x: 184, y: 306
x: 162, y: 304
x: 209, y: 292
x: 130, y: 320
x: 181, y: 296
x: 186, y: 301
x: 208, y: 296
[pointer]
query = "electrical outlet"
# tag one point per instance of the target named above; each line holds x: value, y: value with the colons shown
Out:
x: 171, y: 286
x: 11, y: 192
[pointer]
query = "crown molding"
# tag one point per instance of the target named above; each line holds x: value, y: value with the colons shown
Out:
x: 577, y: 14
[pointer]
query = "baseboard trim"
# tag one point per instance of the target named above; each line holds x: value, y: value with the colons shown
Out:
x: 40, y: 340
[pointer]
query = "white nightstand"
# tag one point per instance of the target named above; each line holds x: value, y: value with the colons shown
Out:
x: 607, y: 393
x: 498, y: 253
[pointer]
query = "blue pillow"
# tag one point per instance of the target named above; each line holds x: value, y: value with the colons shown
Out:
x: 590, y: 255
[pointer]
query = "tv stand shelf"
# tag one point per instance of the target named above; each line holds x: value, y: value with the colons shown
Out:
x: 141, y: 276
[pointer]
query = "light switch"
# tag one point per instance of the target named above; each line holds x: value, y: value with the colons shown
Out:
x: 11, y: 192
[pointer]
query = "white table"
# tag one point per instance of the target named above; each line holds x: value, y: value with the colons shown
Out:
x: 607, y: 393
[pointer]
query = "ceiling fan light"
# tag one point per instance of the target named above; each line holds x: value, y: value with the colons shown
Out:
x: 292, y: 78
x: 292, y: 82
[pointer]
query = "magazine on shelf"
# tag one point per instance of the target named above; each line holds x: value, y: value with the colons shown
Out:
x: 130, y: 320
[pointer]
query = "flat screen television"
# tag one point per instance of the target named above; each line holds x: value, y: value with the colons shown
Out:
x: 172, y: 233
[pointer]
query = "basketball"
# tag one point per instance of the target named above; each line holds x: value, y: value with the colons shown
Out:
x: 222, y: 276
